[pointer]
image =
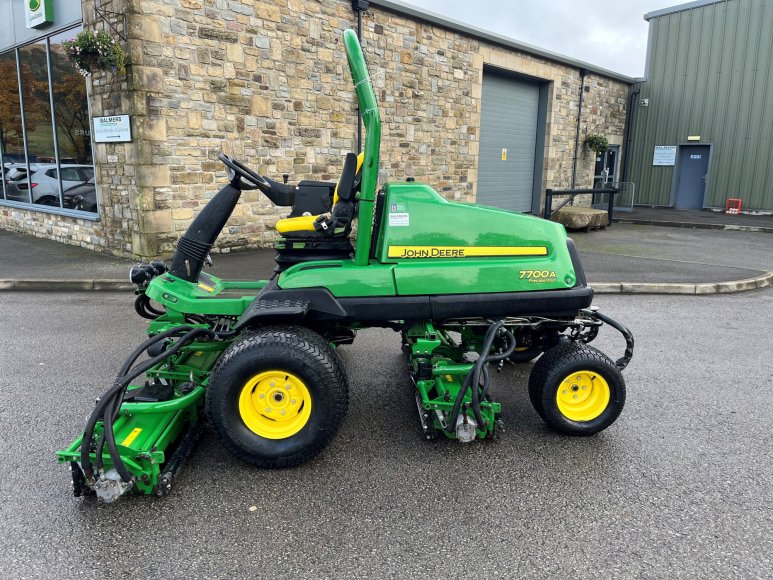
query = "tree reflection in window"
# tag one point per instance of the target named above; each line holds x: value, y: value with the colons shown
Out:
x: 70, y: 105
x: 11, y: 136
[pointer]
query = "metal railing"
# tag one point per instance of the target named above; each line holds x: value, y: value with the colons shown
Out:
x: 624, y: 199
x: 572, y: 193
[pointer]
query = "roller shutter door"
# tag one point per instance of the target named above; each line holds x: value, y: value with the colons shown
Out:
x: 509, y: 112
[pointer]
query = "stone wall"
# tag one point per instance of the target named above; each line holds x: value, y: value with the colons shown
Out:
x: 267, y: 81
x: 264, y: 81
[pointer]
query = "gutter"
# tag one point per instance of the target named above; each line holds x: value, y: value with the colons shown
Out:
x: 627, y: 133
x: 583, y: 73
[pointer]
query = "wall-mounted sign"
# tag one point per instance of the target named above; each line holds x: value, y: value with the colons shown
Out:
x: 38, y: 12
x: 664, y: 155
x: 114, y: 129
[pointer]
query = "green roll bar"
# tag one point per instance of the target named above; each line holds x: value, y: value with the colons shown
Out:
x: 370, y: 117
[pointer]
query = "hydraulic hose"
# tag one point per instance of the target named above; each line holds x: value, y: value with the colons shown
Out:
x: 451, y: 424
x: 511, y: 343
x: 112, y: 448
x: 103, y: 400
x: 143, y: 307
x: 105, y: 407
x: 478, y: 371
x: 623, y: 361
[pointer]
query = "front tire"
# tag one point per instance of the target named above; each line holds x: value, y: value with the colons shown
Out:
x: 576, y: 389
x: 277, y: 396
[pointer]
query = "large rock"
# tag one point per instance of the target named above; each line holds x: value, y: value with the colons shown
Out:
x: 581, y: 218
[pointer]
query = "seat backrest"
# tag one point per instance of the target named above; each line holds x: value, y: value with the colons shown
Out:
x: 345, y: 187
x: 357, y: 176
x: 342, y: 214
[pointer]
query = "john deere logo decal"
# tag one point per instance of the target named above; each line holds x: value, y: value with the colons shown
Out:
x: 464, y: 251
x: 34, y: 5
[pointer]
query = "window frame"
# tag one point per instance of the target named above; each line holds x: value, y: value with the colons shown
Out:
x: 61, y: 210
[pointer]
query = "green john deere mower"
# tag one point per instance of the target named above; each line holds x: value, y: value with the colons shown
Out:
x: 466, y: 286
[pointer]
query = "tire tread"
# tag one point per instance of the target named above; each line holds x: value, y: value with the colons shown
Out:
x: 551, y: 369
x: 297, y: 341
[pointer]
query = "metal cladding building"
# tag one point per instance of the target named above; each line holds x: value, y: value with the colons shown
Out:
x: 702, y: 119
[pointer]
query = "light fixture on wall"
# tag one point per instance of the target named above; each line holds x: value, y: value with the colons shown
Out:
x: 644, y: 103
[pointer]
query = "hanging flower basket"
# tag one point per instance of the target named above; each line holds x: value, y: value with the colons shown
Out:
x: 597, y: 143
x: 90, y: 52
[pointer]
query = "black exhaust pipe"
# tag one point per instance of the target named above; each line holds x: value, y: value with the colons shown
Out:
x: 193, y: 248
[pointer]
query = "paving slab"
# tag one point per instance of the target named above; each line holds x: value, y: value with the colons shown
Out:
x: 704, y: 219
x: 27, y: 257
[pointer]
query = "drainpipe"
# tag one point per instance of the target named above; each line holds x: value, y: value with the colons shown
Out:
x: 628, y: 138
x: 359, y: 6
x: 583, y: 72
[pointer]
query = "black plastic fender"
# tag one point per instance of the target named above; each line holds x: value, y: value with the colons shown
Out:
x: 262, y: 310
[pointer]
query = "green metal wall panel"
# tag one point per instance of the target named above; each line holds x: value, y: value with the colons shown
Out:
x: 709, y: 74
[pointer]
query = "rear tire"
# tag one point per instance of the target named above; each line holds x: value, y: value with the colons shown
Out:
x: 576, y: 389
x: 277, y: 396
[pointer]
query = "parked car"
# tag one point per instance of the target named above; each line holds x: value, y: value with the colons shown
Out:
x: 82, y: 197
x: 43, y: 182
x: 13, y: 172
x: 12, y: 169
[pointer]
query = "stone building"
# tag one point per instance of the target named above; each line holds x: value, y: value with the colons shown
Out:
x: 478, y: 116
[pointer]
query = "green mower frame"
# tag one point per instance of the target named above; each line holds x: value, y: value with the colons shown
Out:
x: 466, y: 286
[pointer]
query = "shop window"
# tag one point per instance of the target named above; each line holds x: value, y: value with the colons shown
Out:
x: 11, y: 134
x: 54, y: 144
x: 73, y: 131
x: 39, y: 130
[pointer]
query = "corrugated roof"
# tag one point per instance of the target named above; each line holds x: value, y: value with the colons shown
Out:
x: 504, y: 41
x: 679, y: 8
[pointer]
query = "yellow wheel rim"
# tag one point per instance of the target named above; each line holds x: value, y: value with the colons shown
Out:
x: 275, y: 404
x: 582, y: 396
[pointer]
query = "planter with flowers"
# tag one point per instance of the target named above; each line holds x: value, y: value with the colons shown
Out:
x: 90, y: 52
x: 597, y: 143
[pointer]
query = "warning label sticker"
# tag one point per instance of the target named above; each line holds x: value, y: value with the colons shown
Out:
x: 399, y: 219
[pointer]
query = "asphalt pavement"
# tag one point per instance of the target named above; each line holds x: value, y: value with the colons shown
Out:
x: 679, y: 486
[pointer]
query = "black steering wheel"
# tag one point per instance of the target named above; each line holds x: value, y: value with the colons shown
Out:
x: 242, y: 177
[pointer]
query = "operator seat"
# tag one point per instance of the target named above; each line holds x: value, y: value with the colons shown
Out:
x: 337, y: 222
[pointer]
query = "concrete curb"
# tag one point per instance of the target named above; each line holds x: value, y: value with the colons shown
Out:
x: 54, y: 285
x: 762, y: 281
x: 693, y: 225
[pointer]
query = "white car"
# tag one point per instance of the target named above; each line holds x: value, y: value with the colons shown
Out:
x: 43, y: 182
